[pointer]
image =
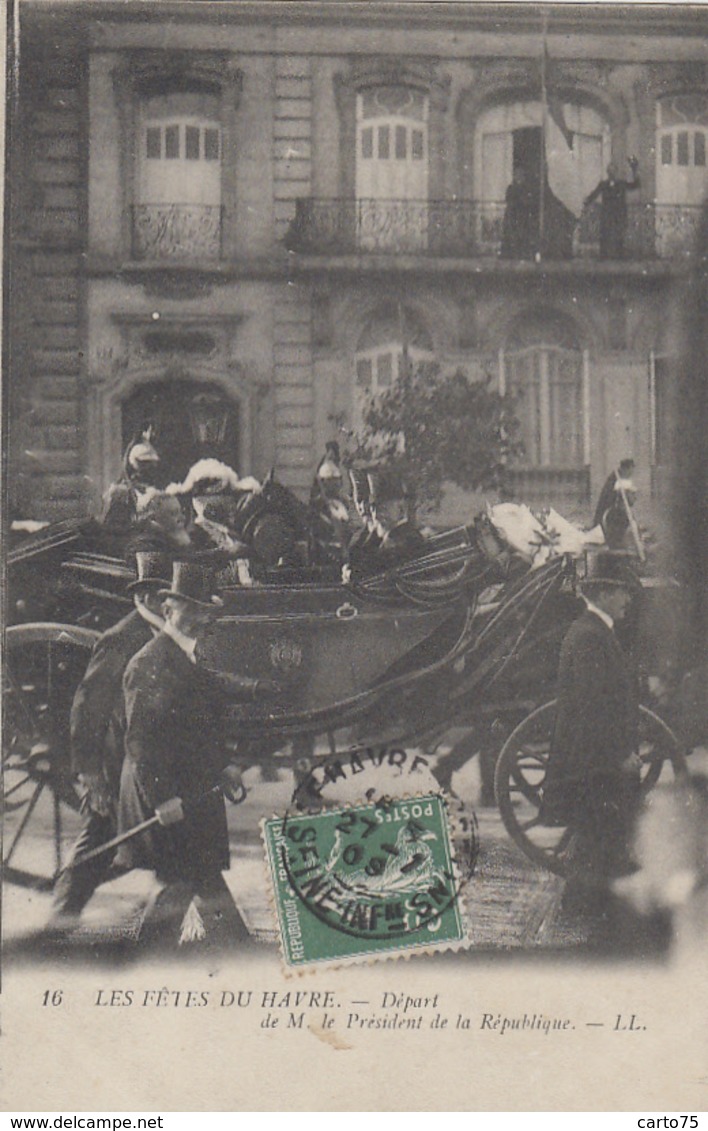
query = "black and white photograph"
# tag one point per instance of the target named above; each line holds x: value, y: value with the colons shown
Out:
x: 355, y: 556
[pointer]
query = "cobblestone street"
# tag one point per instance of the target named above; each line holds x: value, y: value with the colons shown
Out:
x: 511, y: 903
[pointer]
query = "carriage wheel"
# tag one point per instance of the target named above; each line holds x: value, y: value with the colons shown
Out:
x: 43, y: 666
x: 521, y: 771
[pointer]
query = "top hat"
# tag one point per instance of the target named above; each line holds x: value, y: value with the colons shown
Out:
x: 153, y: 568
x: 385, y: 487
x: 191, y: 582
x: 607, y: 569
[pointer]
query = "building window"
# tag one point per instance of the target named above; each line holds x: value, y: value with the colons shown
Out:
x: 392, y: 168
x: 681, y: 172
x: 548, y: 375
x: 177, y: 209
x: 380, y: 355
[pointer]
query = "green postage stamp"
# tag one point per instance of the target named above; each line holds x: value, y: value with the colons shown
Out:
x: 366, y: 881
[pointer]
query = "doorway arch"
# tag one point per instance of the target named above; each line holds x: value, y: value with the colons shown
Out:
x: 192, y: 420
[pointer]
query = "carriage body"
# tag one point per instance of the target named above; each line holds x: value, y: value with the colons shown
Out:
x: 453, y: 640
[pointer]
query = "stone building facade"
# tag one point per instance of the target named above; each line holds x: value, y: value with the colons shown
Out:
x: 228, y: 220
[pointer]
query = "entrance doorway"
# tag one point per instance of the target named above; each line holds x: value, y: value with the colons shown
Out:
x: 192, y: 420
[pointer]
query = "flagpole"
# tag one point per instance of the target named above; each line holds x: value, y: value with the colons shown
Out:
x: 544, y: 130
x: 403, y: 330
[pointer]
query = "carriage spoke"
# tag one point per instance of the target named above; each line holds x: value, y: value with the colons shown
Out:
x: 520, y: 785
x: 531, y: 823
x: 18, y: 785
x: 23, y: 823
x: 43, y: 666
x: 23, y: 703
x: 57, y: 834
x: 563, y: 843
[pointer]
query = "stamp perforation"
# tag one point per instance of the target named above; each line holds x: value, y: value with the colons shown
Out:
x: 458, y: 939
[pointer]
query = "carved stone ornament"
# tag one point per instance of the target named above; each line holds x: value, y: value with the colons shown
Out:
x: 669, y: 78
x: 143, y: 69
x: 521, y: 73
x: 384, y: 70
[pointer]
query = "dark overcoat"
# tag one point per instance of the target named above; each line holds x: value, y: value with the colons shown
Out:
x: 362, y: 552
x: 607, y: 497
x: 96, y: 729
x: 596, y: 726
x: 401, y: 544
x: 174, y: 747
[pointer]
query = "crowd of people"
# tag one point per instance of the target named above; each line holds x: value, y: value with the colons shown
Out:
x: 356, y: 522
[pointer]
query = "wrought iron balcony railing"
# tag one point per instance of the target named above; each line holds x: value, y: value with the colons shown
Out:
x: 557, y: 486
x: 466, y: 228
x: 176, y: 232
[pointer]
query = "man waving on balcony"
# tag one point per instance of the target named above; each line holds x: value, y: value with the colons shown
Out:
x: 612, y: 194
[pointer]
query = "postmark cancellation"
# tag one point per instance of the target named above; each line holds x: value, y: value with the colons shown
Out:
x: 363, y: 882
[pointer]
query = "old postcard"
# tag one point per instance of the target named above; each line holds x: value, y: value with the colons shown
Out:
x: 354, y: 671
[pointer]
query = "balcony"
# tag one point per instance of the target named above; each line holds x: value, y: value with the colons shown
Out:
x: 471, y: 229
x: 176, y: 233
x: 563, y: 488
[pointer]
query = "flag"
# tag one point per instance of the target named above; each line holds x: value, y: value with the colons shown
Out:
x: 554, y: 105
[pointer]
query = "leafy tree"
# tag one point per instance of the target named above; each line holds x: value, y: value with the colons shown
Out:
x: 431, y: 428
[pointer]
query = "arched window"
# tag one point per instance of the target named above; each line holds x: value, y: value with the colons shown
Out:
x: 681, y: 169
x: 547, y: 373
x: 380, y: 354
x: 392, y: 168
x: 177, y: 208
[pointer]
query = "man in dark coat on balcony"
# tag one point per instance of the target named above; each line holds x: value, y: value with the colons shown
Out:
x: 612, y: 193
x: 520, y: 223
x: 97, y: 739
x: 593, y: 778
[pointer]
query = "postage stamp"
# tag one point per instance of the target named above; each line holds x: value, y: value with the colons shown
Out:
x: 367, y: 881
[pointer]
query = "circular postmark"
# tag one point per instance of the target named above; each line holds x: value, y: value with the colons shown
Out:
x: 371, y: 773
x: 371, y: 862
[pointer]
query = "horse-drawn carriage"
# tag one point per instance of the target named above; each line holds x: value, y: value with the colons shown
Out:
x: 466, y: 636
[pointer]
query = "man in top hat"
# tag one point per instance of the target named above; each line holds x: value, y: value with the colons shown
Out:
x: 400, y: 538
x: 616, y: 497
x: 593, y: 778
x: 363, y: 547
x: 96, y: 736
x: 160, y: 527
x: 175, y: 752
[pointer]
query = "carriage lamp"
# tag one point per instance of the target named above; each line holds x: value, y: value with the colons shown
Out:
x: 208, y: 417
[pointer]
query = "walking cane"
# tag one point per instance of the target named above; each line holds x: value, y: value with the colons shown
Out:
x: 171, y: 812
x: 632, y: 521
